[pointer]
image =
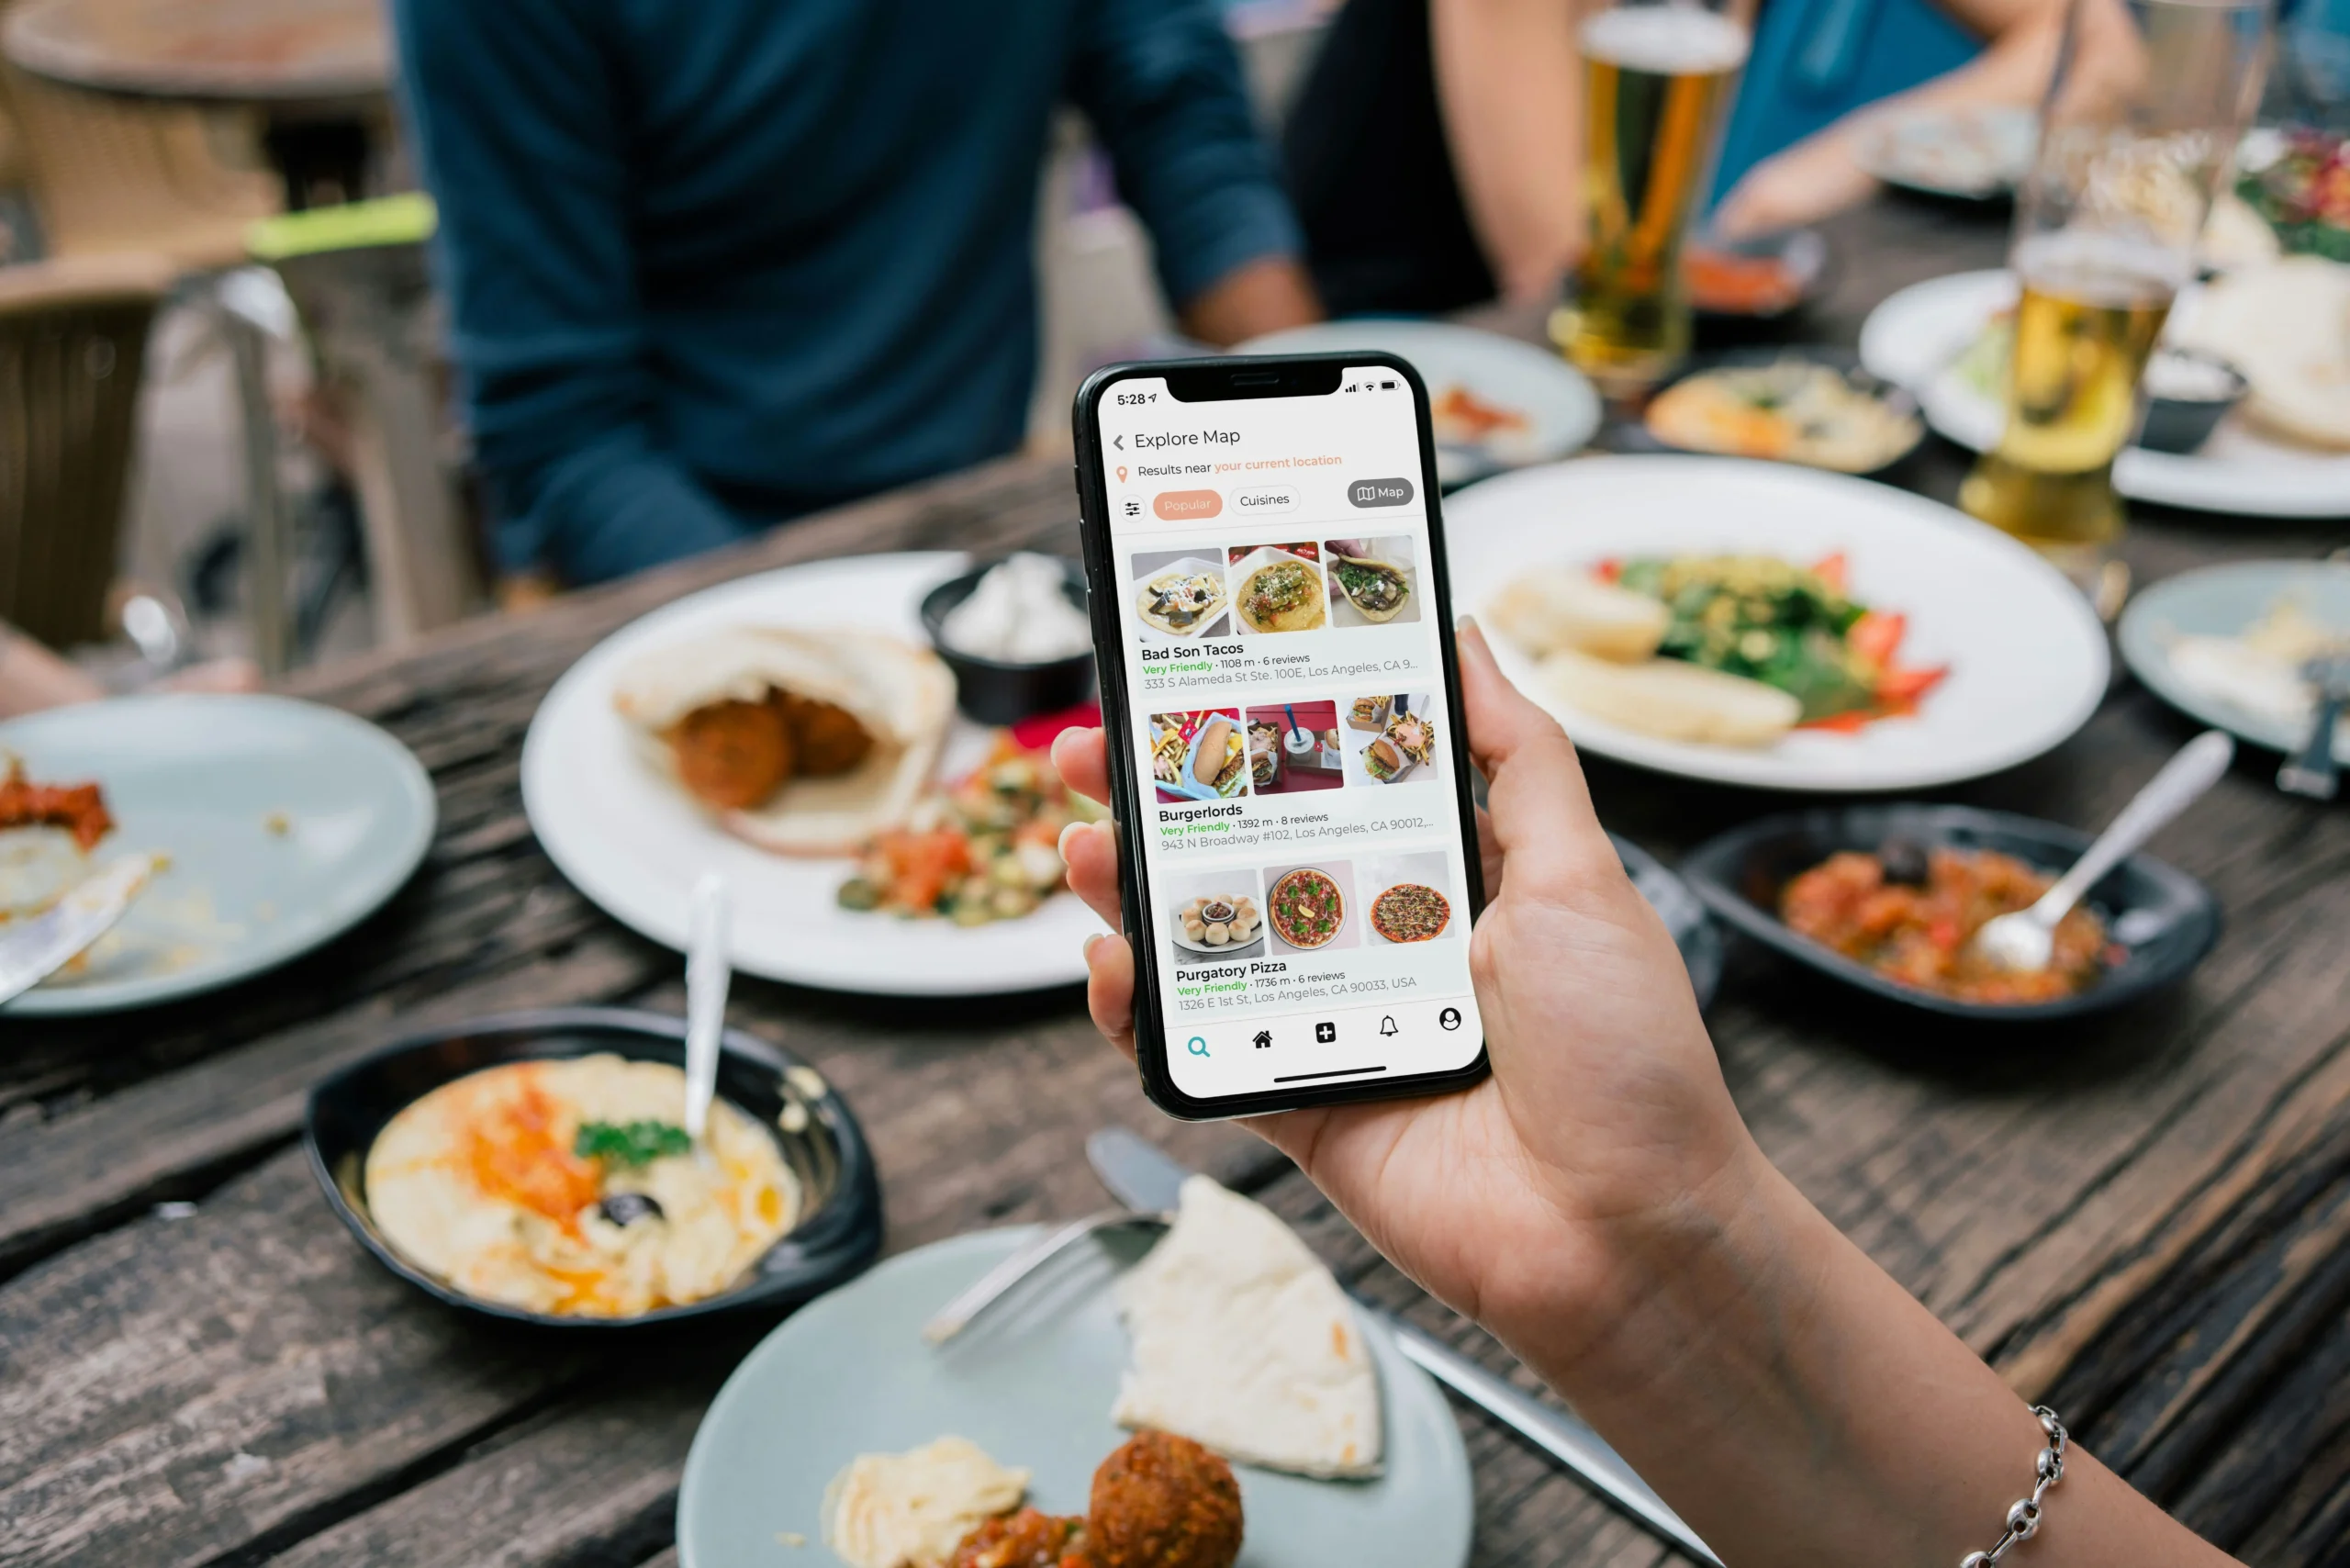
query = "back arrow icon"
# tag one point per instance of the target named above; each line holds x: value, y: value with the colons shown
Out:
x: 1119, y: 441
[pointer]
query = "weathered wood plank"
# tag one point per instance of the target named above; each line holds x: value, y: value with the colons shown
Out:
x: 178, y: 1390
x: 593, y: 1484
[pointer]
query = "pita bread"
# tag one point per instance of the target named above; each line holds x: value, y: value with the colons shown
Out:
x: 1242, y: 1342
x: 904, y: 696
x: 2286, y: 326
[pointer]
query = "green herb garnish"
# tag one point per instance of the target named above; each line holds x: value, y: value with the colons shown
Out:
x: 630, y: 1143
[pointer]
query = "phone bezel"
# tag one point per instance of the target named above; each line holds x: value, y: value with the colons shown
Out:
x: 1245, y: 378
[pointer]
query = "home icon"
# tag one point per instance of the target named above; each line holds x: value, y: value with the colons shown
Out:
x: 1264, y: 1039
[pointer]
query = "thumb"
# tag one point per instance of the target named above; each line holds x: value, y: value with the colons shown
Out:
x: 1539, y: 801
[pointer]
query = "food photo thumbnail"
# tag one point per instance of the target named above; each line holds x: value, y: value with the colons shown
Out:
x: 1180, y: 595
x: 1310, y: 908
x: 1215, y: 915
x: 1391, y: 739
x: 1278, y: 587
x: 1199, y: 756
x: 1373, y: 582
x: 1409, y: 898
x: 1293, y: 749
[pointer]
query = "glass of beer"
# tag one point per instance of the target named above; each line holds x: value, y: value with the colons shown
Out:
x: 2148, y: 100
x: 1657, y: 78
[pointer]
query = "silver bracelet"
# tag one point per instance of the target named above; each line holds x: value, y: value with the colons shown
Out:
x: 2023, y: 1517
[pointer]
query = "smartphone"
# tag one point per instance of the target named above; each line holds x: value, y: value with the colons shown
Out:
x: 1288, y: 769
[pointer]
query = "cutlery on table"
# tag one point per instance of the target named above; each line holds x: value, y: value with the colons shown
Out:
x: 708, y: 972
x: 2314, y: 772
x: 2022, y: 942
x: 32, y: 950
x: 1150, y: 1184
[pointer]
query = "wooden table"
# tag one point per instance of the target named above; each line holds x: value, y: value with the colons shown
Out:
x: 2142, y: 1219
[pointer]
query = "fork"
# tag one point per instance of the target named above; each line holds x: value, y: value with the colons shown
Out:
x: 1005, y: 1277
x: 2314, y: 772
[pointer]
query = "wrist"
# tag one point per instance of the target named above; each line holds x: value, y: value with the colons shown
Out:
x: 1709, y: 1281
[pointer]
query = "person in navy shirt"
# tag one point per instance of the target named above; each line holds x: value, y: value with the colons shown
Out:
x: 716, y: 263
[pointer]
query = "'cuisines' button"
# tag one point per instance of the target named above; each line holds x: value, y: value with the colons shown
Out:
x: 1186, y: 506
x: 1279, y: 497
x: 1379, y: 492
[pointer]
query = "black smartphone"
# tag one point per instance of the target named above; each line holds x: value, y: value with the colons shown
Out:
x: 1288, y: 766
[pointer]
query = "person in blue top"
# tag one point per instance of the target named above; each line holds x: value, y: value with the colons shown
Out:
x: 1465, y: 116
x: 717, y: 262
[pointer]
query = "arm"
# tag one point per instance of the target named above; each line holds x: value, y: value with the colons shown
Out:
x: 1819, y: 175
x: 1162, y: 84
x: 521, y: 139
x: 1509, y: 86
x: 1599, y: 1205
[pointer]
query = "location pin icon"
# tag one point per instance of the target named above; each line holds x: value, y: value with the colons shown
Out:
x: 1122, y: 473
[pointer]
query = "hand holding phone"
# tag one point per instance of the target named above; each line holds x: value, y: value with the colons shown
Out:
x: 1266, y: 550
x: 1605, y: 1108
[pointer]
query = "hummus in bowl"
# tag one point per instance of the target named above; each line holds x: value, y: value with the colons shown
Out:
x: 570, y: 1187
x: 534, y: 1168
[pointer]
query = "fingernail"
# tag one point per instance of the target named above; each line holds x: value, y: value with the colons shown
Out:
x: 1087, y: 949
x: 1466, y: 623
x: 1062, y: 843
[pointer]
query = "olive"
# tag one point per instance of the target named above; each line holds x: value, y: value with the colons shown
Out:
x: 626, y: 1208
x: 1905, y: 862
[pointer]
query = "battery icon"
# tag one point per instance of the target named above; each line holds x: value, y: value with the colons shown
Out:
x: 1387, y: 387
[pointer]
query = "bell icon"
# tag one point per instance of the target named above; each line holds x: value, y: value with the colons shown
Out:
x: 1387, y: 1026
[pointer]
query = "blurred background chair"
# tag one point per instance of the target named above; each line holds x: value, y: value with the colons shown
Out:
x: 108, y: 174
x: 73, y: 345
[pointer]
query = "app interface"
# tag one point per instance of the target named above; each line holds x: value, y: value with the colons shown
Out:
x: 1302, y: 833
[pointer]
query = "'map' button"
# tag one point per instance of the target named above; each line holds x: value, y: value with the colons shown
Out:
x: 1379, y: 492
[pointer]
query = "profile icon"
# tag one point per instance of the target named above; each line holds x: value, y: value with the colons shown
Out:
x: 1449, y: 1018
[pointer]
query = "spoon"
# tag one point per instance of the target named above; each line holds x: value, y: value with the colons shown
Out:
x: 2315, y: 773
x: 2022, y: 942
x: 708, y: 973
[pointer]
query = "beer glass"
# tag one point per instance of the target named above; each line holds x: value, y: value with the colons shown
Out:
x: 2148, y: 100
x: 1657, y: 78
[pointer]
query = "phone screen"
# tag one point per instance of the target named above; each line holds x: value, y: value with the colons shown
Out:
x: 1302, y: 838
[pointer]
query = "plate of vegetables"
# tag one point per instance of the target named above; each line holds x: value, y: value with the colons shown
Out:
x: 1760, y: 625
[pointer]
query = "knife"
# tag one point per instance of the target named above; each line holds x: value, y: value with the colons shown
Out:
x: 32, y: 950
x: 1138, y: 1175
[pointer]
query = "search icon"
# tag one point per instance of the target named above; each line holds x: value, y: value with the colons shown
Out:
x: 1198, y: 1046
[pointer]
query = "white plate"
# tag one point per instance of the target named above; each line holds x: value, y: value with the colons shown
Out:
x: 287, y: 823
x: 2220, y: 601
x: 1561, y: 408
x: 1032, y: 1384
x: 632, y: 842
x: 2027, y: 657
x: 1912, y: 338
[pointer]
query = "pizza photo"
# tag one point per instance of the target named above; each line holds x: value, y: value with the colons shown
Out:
x: 1306, y: 909
x: 1411, y: 912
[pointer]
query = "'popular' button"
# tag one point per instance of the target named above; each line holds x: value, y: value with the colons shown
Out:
x: 1186, y: 506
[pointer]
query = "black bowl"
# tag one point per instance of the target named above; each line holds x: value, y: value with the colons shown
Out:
x: 2183, y: 424
x: 839, y: 1234
x: 994, y: 692
x: 2161, y: 919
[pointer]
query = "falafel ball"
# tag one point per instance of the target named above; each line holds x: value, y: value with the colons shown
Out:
x: 732, y: 755
x: 1029, y: 1539
x: 826, y: 738
x: 1161, y: 1501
